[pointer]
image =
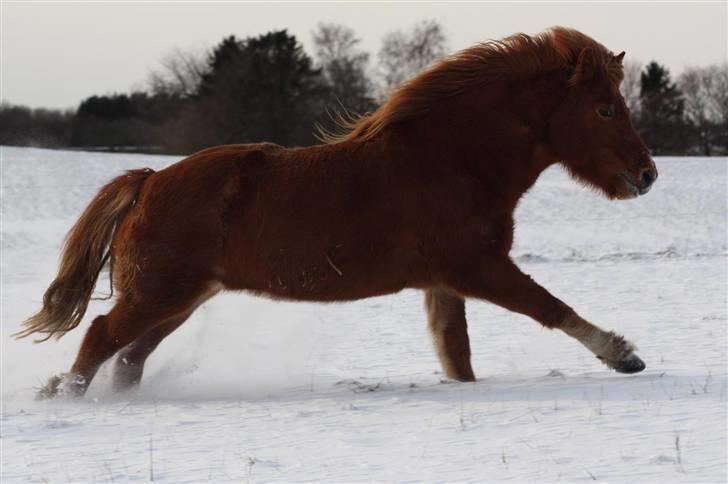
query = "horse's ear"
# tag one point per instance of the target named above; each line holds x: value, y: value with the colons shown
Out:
x: 617, y: 59
x: 585, y: 68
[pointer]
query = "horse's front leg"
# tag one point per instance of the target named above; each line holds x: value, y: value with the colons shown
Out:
x: 500, y: 281
x: 446, y: 319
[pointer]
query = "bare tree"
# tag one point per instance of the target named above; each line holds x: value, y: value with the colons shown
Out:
x: 692, y: 84
x: 631, y: 86
x: 406, y: 54
x: 705, y: 91
x: 717, y: 92
x: 180, y: 73
x: 344, y: 67
x: 334, y: 42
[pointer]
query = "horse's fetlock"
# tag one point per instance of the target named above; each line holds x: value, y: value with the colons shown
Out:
x: 619, y: 354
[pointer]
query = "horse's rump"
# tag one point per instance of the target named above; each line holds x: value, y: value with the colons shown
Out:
x: 85, y: 252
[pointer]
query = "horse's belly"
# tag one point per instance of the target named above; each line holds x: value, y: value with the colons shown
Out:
x: 335, y: 294
x: 318, y: 276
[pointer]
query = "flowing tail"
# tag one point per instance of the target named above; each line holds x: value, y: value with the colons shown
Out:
x: 85, y: 251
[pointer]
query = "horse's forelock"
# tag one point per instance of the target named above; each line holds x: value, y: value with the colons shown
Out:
x: 570, y: 43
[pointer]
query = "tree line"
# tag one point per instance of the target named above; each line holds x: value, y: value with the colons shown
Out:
x: 268, y: 88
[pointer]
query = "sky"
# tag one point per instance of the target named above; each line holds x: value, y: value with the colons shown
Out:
x: 54, y: 54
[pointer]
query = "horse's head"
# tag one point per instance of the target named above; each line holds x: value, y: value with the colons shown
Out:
x: 592, y: 134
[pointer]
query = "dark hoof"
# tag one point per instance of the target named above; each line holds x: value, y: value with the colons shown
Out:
x: 631, y: 364
x: 465, y: 377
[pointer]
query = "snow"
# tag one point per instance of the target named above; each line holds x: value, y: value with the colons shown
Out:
x: 255, y: 390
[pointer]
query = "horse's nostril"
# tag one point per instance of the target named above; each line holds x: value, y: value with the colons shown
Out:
x: 647, y: 178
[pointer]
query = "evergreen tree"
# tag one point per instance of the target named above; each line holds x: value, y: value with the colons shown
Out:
x: 661, y: 119
x: 219, y: 62
x: 260, y: 89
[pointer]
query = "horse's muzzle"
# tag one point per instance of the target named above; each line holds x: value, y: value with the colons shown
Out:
x: 642, y: 183
x: 646, y: 179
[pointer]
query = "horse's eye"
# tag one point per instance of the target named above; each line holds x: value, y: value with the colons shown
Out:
x: 606, y: 111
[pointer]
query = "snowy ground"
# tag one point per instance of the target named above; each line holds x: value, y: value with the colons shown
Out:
x: 255, y: 390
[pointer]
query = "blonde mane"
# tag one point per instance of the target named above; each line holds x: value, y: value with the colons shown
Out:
x: 519, y: 56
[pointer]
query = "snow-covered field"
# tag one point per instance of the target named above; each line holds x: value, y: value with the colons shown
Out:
x: 255, y: 390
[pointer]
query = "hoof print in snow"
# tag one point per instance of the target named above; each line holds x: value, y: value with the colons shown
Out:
x: 359, y: 387
x: 556, y: 373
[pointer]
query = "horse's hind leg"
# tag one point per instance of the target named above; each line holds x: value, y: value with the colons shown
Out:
x: 446, y: 319
x: 108, y: 334
x: 129, y: 365
x: 124, y: 324
x: 104, y: 337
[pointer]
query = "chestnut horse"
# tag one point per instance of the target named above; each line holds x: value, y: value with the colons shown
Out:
x: 419, y: 194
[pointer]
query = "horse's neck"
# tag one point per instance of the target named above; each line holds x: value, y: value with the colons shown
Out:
x: 500, y: 136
